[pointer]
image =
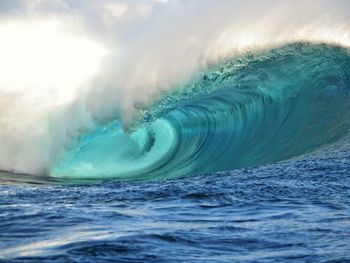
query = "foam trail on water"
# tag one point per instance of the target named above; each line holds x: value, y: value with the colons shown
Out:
x: 68, y: 67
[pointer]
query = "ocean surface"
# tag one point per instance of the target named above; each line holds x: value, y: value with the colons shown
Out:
x: 293, y: 211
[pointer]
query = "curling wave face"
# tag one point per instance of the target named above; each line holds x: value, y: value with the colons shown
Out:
x: 259, y: 109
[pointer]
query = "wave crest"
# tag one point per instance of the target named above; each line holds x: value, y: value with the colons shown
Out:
x: 266, y: 108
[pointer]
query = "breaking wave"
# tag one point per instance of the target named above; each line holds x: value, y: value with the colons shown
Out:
x: 249, y: 111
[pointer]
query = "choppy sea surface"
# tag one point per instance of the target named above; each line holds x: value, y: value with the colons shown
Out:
x: 293, y: 211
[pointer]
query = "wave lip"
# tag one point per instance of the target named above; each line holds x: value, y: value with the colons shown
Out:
x: 263, y: 108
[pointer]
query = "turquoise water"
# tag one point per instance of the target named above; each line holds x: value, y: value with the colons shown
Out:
x: 247, y: 111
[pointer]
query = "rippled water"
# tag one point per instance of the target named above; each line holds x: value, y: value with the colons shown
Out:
x: 294, y: 211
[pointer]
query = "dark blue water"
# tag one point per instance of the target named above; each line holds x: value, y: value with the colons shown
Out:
x: 294, y: 211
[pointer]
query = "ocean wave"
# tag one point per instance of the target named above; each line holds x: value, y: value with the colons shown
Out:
x: 259, y: 109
